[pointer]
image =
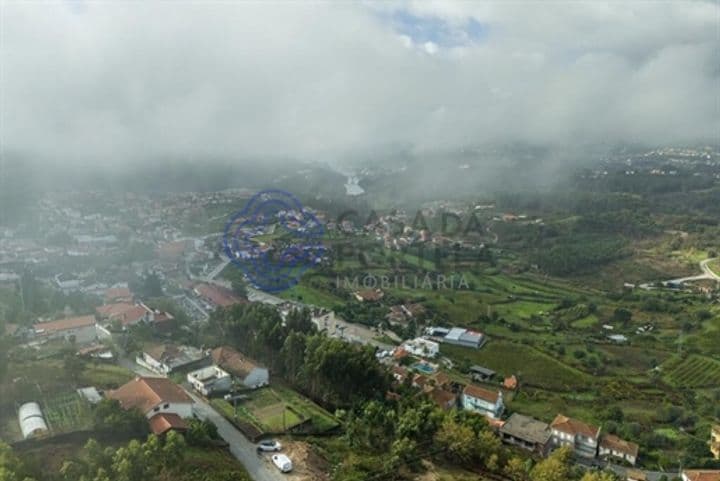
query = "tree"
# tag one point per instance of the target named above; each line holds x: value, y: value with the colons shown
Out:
x: 457, y: 441
x: 555, y: 468
x: 516, y: 470
x: 73, y: 365
x: 173, y: 450
x: 594, y: 476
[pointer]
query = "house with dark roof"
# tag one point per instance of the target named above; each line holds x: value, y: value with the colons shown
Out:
x: 480, y: 373
x: 613, y: 447
x: 581, y: 437
x: 527, y: 433
x: 161, y: 401
x: 245, y: 370
x: 483, y: 401
x: 168, y: 358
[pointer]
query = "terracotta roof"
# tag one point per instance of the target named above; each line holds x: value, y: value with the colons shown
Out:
x: 510, y: 383
x: 144, y: 393
x: 218, y: 295
x: 442, y: 379
x: 481, y: 393
x: 234, y: 362
x: 115, y: 293
x: 124, y: 312
x: 702, y: 475
x: 442, y: 397
x: 162, y: 423
x: 620, y: 445
x: 574, y: 427
x: 64, y: 324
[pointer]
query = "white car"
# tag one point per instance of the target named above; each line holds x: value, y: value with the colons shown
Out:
x: 282, y: 462
x: 269, y: 445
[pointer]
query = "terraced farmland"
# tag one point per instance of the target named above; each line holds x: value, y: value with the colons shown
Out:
x: 693, y: 372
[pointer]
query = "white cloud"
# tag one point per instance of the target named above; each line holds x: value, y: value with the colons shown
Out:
x: 129, y: 80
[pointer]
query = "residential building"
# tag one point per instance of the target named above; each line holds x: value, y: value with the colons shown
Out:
x: 701, y: 475
x: 715, y: 441
x: 444, y: 398
x: 422, y: 347
x: 483, y: 401
x: 527, y: 433
x: 118, y: 294
x: 161, y: 401
x: 217, y: 296
x: 464, y: 337
x: 167, y: 358
x: 614, y: 447
x: 210, y: 380
x: 125, y: 313
x: 81, y: 330
x: 246, y: 371
x: 581, y: 437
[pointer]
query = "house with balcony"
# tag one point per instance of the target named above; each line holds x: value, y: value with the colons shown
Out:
x: 583, y: 438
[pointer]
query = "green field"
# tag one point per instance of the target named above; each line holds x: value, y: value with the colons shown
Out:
x: 693, y: 372
x: 67, y: 413
x: 529, y: 364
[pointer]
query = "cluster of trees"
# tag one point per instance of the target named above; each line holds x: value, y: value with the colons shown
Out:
x: 330, y: 371
x: 578, y: 255
x: 398, y: 435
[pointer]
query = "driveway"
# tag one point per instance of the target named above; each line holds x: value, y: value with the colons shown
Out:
x: 259, y: 467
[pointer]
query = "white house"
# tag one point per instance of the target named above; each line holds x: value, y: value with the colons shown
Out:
x: 167, y: 358
x: 581, y: 437
x: 163, y: 402
x: 246, y: 371
x: 483, y: 401
x: 614, y: 447
x: 210, y: 380
x: 80, y: 329
x: 422, y: 347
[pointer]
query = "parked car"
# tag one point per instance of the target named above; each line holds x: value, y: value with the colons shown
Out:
x: 282, y: 462
x: 269, y: 445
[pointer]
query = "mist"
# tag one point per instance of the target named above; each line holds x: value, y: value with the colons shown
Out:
x: 116, y: 84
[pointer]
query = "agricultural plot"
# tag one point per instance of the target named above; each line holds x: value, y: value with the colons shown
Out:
x: 66, y: 413
x: 277, y: 410
x: 693, y: 372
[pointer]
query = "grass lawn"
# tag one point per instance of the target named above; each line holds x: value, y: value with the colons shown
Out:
x: 104, y: 376
x: 277, y: 409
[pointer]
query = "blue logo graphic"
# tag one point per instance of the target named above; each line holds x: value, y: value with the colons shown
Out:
x: 274, y: 240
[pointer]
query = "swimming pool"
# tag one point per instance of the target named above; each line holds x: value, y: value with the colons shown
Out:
x: 423, y: 367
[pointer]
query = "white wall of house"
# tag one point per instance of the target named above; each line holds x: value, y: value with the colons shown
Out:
x: 152, y: 364
x: 482, y: 406
x: 210, y: 380
x: 605, y: 452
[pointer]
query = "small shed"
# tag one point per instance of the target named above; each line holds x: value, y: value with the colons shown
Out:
x: 479, y: 373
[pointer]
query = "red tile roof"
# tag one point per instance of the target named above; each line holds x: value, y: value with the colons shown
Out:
x: 65, y: 324
x: 510, y: 383
x: 144, y: 393
x: 118, y: 293
x: 218, y: 295
x: 620, y: 445
x: 162, y: 423
x: 702, y: 475
x: 233, y: 362
x: 124, y: 312
x: 574, y: 427
x: 481, y: 393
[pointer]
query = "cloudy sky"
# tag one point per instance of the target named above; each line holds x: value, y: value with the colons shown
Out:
x: 128, y: 80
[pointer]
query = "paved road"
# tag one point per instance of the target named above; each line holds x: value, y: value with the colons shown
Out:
x: 707, y: 273
x: 259, y: 467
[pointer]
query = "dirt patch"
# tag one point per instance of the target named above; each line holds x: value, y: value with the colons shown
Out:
x: 308, y: 465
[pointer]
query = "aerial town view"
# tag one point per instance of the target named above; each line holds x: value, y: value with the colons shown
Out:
x: 359, y: 241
